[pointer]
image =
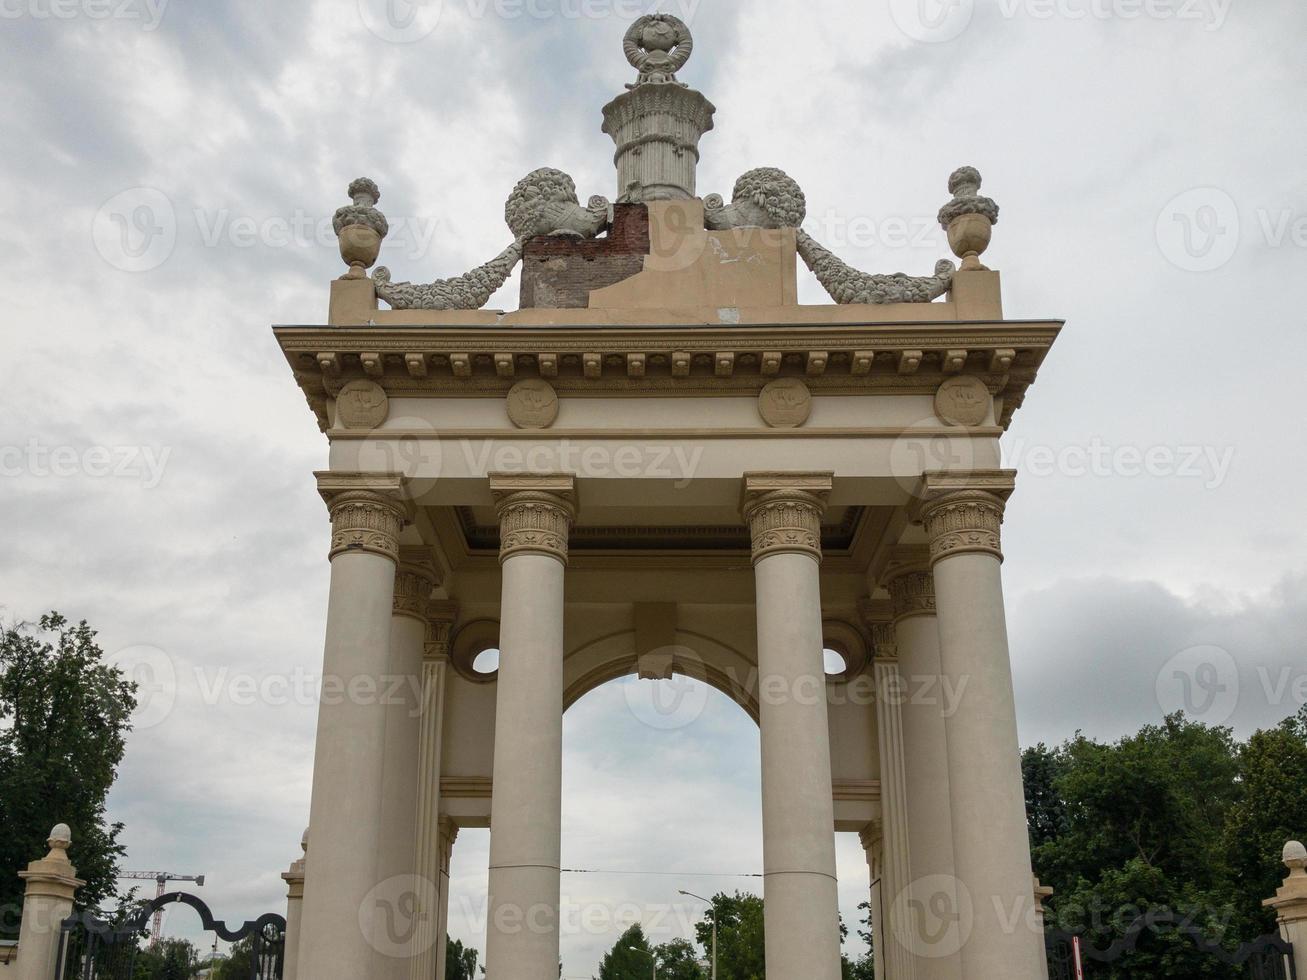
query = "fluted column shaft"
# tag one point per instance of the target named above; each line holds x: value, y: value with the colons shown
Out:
x: 925, y: 705
x: 429, y: 958
x: 990, y: 842
x: 802, y: 904
x: 873, y: 846
x: 341, y: 910
x: 522, y: 942
x: 897, y: 873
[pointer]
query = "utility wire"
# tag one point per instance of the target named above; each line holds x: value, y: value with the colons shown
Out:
x: 660, y: 874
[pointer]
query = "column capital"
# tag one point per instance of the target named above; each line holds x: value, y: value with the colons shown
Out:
x: 535, y: 514
x: 784, y: 511
x: 367, y: 512
x: 909, y: 581
x: 871, y: 835
x: 294, y: 876
x: 963, y: 512
x: 441, y: 614
x: 416, y: 575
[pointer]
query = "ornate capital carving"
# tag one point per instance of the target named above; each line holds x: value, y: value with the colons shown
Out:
x: 440, y: 619
x: 964, y: 522
x: 415, y: 577
x: 784, y: 511
x: 910, y: 582
x: 963, y: 512
x: 535, y: 514
x: 885, y: 642
x: 367, y: 513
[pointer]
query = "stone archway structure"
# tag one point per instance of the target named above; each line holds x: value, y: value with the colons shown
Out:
x: 663, y: 462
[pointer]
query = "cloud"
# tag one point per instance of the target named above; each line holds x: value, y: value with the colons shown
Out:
x: 243, y: 124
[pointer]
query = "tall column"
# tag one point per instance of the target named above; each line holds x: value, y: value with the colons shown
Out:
x: 897, y: 873
x: 412, y: 897
x: 429, y: 945
x: 963, y: 516
x: 784, y: 512
x: 341, y: 912
x: 448, y: 834
x: 526, y: 816
x: 911, y: 586
x: 872, y: 844
x: 52, y: 885
x: 294, y: 878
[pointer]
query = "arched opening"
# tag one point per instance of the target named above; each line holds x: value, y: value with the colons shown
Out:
x: 661, y: 794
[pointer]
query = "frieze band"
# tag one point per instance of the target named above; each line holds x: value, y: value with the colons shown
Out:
x: 415, y: 577
x: 964, y: 522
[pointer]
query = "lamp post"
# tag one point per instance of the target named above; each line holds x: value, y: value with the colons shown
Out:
x: 713, y: 908
x: 652, y: 956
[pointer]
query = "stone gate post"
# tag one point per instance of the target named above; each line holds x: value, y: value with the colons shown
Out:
x: 294, y: 878
x: 1290, y: 904
x: 52, y: 885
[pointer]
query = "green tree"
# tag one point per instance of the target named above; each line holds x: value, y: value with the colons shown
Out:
x: 460, y: 961
x: 741, y: 944
x: 678, y: 960
x: 1272, y: 810
x: 168, y: 959
x: 1137, y: 827
x: 631, y: 957
x: 64, y: 717
x: 863, y: 968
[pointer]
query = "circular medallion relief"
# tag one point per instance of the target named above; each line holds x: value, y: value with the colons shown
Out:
x: 963, y: 401
x: 785, y: 404
x: 362, y: 405
x: 533, y: 405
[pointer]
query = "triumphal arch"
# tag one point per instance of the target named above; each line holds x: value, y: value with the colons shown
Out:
x: 661, y: 464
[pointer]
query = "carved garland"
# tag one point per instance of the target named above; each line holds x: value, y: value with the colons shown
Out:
x: 965, y: 522
x: 534, y: 522
x: 785, y: 522
x: 362, y: 520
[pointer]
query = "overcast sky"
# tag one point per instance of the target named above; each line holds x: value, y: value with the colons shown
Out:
x: 1148, y: 156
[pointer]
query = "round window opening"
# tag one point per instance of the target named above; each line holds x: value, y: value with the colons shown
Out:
x: 836, y: 663
x: 486, y: 663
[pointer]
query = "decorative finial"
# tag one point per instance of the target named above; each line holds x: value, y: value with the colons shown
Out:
x: 969, y: 218
x: 304, y: 841
x: 61, y: 837
x: 1295, y: 859
x: 360, y: 227
x: 658, y: 46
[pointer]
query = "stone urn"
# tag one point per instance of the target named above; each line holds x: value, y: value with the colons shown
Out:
x: 969, y: 218
x: 360, y: 228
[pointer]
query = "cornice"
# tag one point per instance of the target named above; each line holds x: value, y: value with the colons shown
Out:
x: 874, y: 358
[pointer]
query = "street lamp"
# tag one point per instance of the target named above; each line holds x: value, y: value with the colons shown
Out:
x: 652, y: 956
x: 713, y: 908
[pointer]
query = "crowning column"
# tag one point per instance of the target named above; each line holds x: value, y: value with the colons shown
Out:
x: 535, y: 518
x: 783, y: 511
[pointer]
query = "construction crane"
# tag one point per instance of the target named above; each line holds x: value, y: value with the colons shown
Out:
x: 161, y: 879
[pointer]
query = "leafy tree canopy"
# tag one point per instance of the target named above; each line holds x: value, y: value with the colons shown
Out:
x: 64, y: 718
